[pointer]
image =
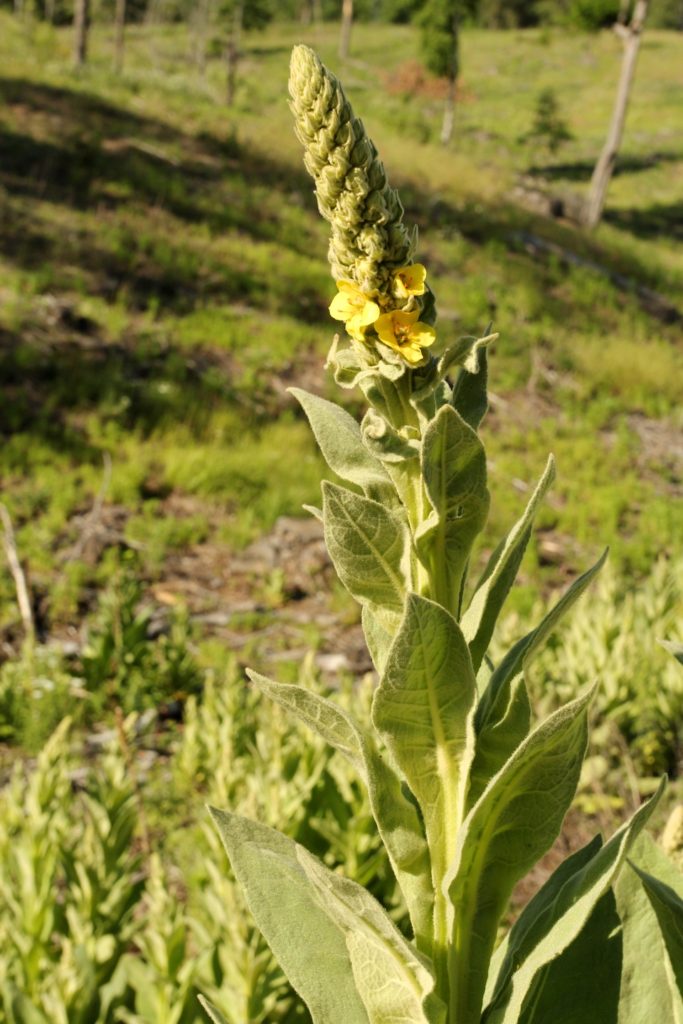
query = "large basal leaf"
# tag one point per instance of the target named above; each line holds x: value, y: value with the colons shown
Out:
x: 370, y: 549
x: 499, y: 730
x: 397, y: 819
x: 339, y: 438
x: 454, y: 472
x: 554, y: 919
x: 513, y: 824
x: 423, y: 709
x: 309, y: 945
x: 501, y: 571
x: 395, y: 983
x: 649, y: 991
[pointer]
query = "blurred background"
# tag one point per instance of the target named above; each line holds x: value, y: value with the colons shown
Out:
x: 163, y: 280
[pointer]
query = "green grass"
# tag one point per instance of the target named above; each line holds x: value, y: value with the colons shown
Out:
x: 163, y: 279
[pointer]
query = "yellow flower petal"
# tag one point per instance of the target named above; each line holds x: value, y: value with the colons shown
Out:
x: 368, y: 314
x: 342, y: 307
x: 350, y: 302
x: 356, y: 331
x: 407, y: 335
x: 410, y: 281
x: 423, y: 335
x: 412, y: 354
x: 396, y: 322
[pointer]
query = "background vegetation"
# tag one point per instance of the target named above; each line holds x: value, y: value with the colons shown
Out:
x: 162, y: 281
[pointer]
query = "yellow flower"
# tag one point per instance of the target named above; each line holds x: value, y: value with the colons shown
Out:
x: 405, y: 334
x: 410, y: 281
x: 352, y: 306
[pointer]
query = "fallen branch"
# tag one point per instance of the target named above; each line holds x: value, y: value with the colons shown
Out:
x: 23, y: 597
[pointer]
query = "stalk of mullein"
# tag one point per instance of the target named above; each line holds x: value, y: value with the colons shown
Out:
x: 369, y: 239
x: 383, y: 299
x: 467, y: 793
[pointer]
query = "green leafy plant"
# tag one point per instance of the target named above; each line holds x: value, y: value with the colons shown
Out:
x: 69, y: 885
x: 93, y: 930
x: 466, y: 792
x: 123, y: 661
x: 36, y: 692
x: 614, y: 639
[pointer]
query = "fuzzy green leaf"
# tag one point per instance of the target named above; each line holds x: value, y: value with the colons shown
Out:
x: 454, y: 472
x: 423, y: 709
x: 287, y: 909
x: 515, y: 821
x: 496, y: 743
x: 396, y: 816
x: 523, y: 935
x: 470, y: 397
x: 339, y: 438
x: 668, y: 906
x: 369, y: 547
x: 377, y: 639
x: 581, y: 986
x: 395, y: 983
x: 648, y: 986
x: 384, y: 443
x: 480, y: 618
x: 323, y: 716
x: 463, y: 352
x: 555, y: 918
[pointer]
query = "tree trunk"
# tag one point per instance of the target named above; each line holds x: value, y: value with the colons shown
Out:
x: 202, y: 17
x: 50, y: 11
x: 605, y: 166
x: 346, y: 25
x: 151, y: 22
x: 232, y: 52
x: 81, y: 28
x: 119, y: 34
x: 454, y: 64
x: 448, y: 113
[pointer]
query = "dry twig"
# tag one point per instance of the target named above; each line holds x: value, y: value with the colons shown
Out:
x: 23, y: 597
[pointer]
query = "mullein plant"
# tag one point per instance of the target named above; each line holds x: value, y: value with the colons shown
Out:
x: 466, y: 791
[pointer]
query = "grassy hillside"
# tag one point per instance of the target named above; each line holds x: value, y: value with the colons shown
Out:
x: 163, y: 279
